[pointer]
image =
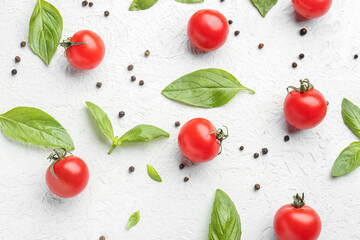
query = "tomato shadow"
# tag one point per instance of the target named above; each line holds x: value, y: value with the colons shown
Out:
x: 73, y: 71
x: 299, y: 18
x: 195, y: 50
x: 291, y: 129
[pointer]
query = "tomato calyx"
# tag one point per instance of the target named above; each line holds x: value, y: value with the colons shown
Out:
x: 298, y: 201
x: 57, y: 155
x: 305, y: 86
x: 221, y: 136
x: 68, y: 43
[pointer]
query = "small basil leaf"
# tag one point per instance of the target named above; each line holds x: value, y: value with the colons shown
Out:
x: 208, y: 88
x: 45, y: 30
x: 137, y: 5
x: 190, y: 1
x: 225, y: 220
x: 102, y: 120
x: 264, y: 6
x: 348, y: 160
x: 142, y: 133
x: 34, y: 126
x: 153, y: 174
x: 351, y: 115
x: 133, y: 220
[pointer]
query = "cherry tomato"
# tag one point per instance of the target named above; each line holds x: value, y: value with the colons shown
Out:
x: 312, y: 8
x: 305, y: 107
x: 297, y: 221
x: 85, y: 50
x: 72, y: 174
x: 208, y: 30
x: 199, y: 141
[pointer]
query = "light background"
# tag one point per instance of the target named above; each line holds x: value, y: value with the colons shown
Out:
x: 173, y: 209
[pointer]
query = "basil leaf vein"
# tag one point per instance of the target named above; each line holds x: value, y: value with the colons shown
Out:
x: 207, y: 88
x: 264, y: 6
x: 45, y: 29
x: 351, y: 115
x: 35, y: 126
x: 102, y: 120
x: 137, y: 5
x: 133, y: 220
x: 225, y: 220
x: 348, y: 160
x: 153, y: 174
x: 142, y: 133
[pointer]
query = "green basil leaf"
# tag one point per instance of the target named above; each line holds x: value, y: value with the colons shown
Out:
x: 208, y: 88
x: 351, y: 115
x: 142, y: 133
x: 225, y: 220
x: 348, y: 160
x: 35, y: 126
x: 137, y: 5
x: 153, y: 174
x: 264, y: 6
x: 190, y: 1
x: 133, y: 220
x: 102, y: 120
x: 45, y: 30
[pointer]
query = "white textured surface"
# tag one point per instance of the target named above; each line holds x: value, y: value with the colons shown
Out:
x: 173, y: 209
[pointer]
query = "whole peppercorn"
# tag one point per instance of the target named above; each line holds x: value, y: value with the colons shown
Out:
x: 121, y: 114
x: 133, y: 78
x: 356, y: 56
x: 14, y: 72
x: 261, y: 45
x: 23, y: 44
x: 264, y: 151
x: 102, y: 238
x: 91, y: 4
x: 131, y: 169
x: 177, y: 123
x: 256, y: 155
x: 106, y: 13
x: 17, y: 59
x: 147, y: 53
x: 141, y: 82
x: 301, y: 56
x: 327, y: 103
x: 230, y: 22
x: 294, y: 65
x: 99, y: 84
x: 181, y: 166
x: 186, y: 179
x: 286, y: 138
x: 130, y: 67
x: 303, y: 31
x: 237, y: 32
x: 257, y: 187
x: 241, y: 148
x: 85, y: 3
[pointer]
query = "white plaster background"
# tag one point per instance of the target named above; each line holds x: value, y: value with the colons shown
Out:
x: 173, y: 209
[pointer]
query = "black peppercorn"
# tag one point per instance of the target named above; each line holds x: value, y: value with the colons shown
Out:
x: 131, y: 169
x: 186, y: 179
x: 237, y: 32
x: 141, y: 82
x: 177, y: 123
x: 23, y: 44
x: 294, y: 64
x: 264, y: 151
x: 106, y: 13
x: 91, y: 4
x: 130, y: 67
x: 99, y: 84
x: 286, y: 138
x: 303, y: 31
x: 181, y: 166
x: 133, y: 78
x: 147, y: 53
x: 102, y: 238
x: 356, y: 56
x: 14, y: 72
x: 121, y: 114
x: 241, y: 148
x: 301, y: 56
x: 256, y: 155
x: 84, y: 3
x: 17, y: 59
x: 327, y: 103
x: 257, y: 187
x: 261, y: 45
x: 230, y: 22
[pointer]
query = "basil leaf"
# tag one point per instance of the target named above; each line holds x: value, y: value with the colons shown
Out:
x: 190, y: 1
x: 133, y: 220
x: 142, y: 133
x: 264, y: 6
x: 225, y: 220
x: 153, y: 174
x: 351, y: 115
x: 348, y: 160
x: 137, y: 5
x: 45, y: 30
x: 102, y: 120
x: 35, y: 126
x: 208, y: 88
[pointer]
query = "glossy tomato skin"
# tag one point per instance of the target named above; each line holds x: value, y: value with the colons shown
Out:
x: 73, y: 176
x: 89, y: 55
x: 208, y: 30
x: 305, y: 110
x: 312, y: 8
x: 297, y: 224
x: 195, y: 141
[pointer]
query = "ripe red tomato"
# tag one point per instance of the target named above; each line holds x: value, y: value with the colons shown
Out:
x: 85, y: 50
x: 72, y: 174
x: 297, y: 221
x: 312, y: 8
x: 305, y: 107
x: 208, y: 30
x: 199, y: 141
